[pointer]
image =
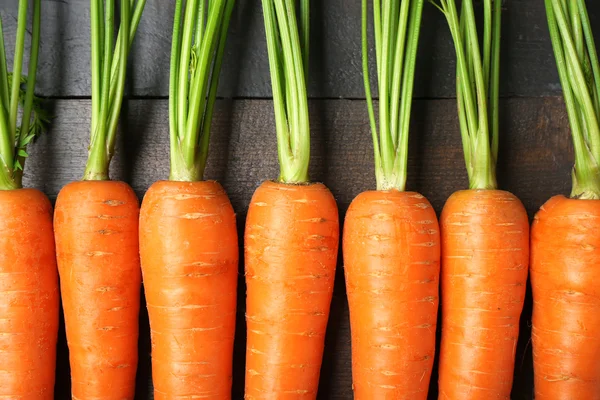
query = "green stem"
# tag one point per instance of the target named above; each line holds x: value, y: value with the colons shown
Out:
x: 190, y: 138
x: 107, y: 87
x: 290, y: 102
x: 580, y: 107
x: 17, y: 69
x: 4, y: 96
x: 477, y: 87
x: 31, y: 80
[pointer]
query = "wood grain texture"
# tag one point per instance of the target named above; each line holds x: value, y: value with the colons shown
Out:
x: 528, y: 67
x: 535, y: 163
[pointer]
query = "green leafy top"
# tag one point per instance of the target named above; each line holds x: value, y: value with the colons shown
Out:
x: 288, y: 62
x: 196, y: 57
x: 14, y: 138
x: 397, y: 26
x: 477, y: 86
x: 579, y: 72
x: 108, y: 78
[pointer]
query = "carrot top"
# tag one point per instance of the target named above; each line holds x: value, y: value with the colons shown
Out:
x: 196, y: 56
x: 477, y: 86
x: 579, y: 72
x: 288, y: 62
x: 397, y: 26
x: 14, y: 138
x: 108, y: 78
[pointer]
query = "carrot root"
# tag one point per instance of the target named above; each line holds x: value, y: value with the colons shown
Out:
x: 292, y: 234
x: 189, y: 253
x: 485, y: 256
x: 29, y: 299
x: 96, y: 228
x: 565, y: 255
x: 392, y: 267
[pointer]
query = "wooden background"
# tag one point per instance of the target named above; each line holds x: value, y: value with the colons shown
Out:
x: 535, y: 149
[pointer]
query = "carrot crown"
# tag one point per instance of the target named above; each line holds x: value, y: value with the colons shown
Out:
x: 196, y: 56
x: 579, y: 72
x: 108, y: 78
x: 477, y: 86
x: 288, y: 62
x: 397, y: 26
x: 15, y: 137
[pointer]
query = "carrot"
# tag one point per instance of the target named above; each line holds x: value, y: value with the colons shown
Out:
x: 391, y: 237
x: 484, y: 231
x: 96, y: 229
x: 188, y: 231
x: 29, y: 300
x: 292, y: 233
x: 565, y: 246
x: 96, y: 224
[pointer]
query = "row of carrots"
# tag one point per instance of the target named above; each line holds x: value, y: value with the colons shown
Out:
x: 98, y: 245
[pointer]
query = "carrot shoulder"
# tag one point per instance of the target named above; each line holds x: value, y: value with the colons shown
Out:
x: 392, y: 265
x: 189, y: 253
x: 292, y: 234
x: 565, y: 254
x: 96, y: 228
x: 28, y: 296
x: 485, y: 255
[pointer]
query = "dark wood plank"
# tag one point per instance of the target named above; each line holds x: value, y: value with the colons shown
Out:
x: 528, y: 65
x: 535, y: 164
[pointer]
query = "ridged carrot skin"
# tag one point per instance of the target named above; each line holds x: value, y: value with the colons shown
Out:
x: 189, y: 252
x: 96, y: 228
x: 291, y: 246
x: 565, y: 276
x: 392, y: 268
x: 485, y: 258
x: 29, y: 299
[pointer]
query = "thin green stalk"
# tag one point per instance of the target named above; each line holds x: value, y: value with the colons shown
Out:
x: 175, y: 151
x: 17, y: 69
x: 305, y: 29
x: 34, y: 52
x: 380, y: 176
x: 4, y: 96
x: 96, y: 33
x: 189, y: 23
x: 494, y: 80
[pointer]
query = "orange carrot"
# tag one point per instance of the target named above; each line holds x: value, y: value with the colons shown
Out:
x: 392, y: 265
x: 188, y: 232
x: 565, y: 242
x: 485, y: 253
x: 28, y: 296
x: 29, y: 300
x: 96, y: 227
x: 564, y: 277
x: 485, y: 231
x: 291, y: 242
x: 391, y: 237
x: 189, y: 250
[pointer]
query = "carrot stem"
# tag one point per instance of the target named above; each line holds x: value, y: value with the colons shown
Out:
x: 579, y: 72
x: 477, y: 86
x: 14, y: 138
x: 288, y: 62
x: 109, y: 68
x: 197, y: 52
x: 397, y: 27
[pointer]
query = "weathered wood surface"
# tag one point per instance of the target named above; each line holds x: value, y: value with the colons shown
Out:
x: 535, y: 163
x: 528, y: 66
